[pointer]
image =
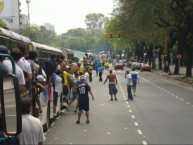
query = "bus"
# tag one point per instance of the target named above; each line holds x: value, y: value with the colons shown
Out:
x: 46, y: 97
x: 13, y: 40
x: 68, y: 53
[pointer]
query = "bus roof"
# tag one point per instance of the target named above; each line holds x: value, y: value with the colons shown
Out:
x: 46, y: 47
x: 69, y: 51
x: 14, y: 35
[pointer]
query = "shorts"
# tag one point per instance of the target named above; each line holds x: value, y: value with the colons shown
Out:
x: 83, y: 104
x: 134, y: 85
x: 74, y: 95
x: 112, y: 89
x: 55, y: 96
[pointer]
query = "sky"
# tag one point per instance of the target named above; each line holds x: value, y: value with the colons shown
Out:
x: 65, y: 14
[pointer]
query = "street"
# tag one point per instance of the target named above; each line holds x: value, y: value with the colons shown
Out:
x: 161, y: 113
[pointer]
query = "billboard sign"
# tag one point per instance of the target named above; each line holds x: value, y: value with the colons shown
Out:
x: 5, y: 9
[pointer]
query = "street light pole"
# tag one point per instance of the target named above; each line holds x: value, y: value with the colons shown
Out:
x: 28, y: 1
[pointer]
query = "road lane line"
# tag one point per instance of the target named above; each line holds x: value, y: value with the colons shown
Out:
x: 140, y: 132
x: 130, y: 111
x: 133, y: 116
x: 128, y: 106
x: 144, y: 142
x: 188, y: 103
x: 136, y: 124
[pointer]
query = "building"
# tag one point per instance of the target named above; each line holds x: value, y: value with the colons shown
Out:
x: 23, y: 20
x: 9, y: 13
x: 48, y: 26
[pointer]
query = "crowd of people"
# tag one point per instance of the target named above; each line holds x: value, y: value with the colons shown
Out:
x: 74, y: 77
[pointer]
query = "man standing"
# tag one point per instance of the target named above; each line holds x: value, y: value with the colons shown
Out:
x: 100, y: 69
x: 32, y: 132
x: 83, y: 99
x: 112, y: 84
x: 129, y: 84
x: 135, y: 78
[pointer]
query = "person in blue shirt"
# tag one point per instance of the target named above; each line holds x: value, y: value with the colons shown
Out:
x: 100, y: 69
x: 135, y: 79
x: 96, y: 68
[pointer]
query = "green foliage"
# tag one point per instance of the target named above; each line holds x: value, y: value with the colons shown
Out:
x: 96, y: 21
x: 3, y: 24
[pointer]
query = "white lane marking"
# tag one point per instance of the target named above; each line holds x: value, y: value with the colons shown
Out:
x: 128, y: 106
x: 177, y: 97
x: 108, y: 133
x: 139, y: 131
x: 188, y: 103
x: 172, y: 94
x: 181, y: 99
x: 85, y: 130
x: 133, y: 116
x: 136, y: 124
x: 127, y: 102
x: 168, y: 92
x: 125, y: 128
x: 144, y: 142
x: 130, y: 111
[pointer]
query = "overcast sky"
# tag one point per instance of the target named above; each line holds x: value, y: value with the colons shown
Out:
x: 65, y: 14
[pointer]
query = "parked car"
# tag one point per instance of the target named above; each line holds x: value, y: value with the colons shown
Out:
x: 145, y: 67
x: 118, y: 65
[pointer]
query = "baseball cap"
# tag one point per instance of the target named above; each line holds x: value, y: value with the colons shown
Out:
x: 3, y: 49
x: 41, y: 78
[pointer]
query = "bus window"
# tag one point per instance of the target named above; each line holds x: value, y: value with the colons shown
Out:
x: 21, y: 45
x: 13, y: 44
x: 4, y: 42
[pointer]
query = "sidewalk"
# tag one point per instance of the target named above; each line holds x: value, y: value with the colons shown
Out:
x: 180, y: 77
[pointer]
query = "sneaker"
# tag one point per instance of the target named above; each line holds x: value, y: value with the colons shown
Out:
x: 115, y: 99
x: 87, y: 122
x: 77, y: 122
x: 111, y: 99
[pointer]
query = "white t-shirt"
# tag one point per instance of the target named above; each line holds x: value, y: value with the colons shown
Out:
x: 129, y: 78
x: 24, y: 65
x: 58, y: 82
x: 19, y: 72
x: 86, y: 75
x: 32, y: 131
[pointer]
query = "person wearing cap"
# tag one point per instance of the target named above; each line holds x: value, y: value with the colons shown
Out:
x: 83, y: 98
x: 38, y: 84
x: 32, y: 131
x: 3, y: 68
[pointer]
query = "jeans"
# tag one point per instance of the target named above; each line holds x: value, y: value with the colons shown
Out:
x: 100, y: 76
x: 129, y: 92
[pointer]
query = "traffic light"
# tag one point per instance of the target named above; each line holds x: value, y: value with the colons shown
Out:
x: 119, y: 36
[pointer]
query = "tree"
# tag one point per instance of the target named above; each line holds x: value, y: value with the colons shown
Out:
x: 174, y: 16
x: 95, y: 21
x: 3, y: 24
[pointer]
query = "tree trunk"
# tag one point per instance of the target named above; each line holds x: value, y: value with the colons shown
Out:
x: 176, y: 68
x: 189, y: 62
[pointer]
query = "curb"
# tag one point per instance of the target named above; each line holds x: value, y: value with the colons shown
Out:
x: 170, y: 76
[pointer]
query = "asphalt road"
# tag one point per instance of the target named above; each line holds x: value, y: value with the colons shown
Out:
x: 161, y: 113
